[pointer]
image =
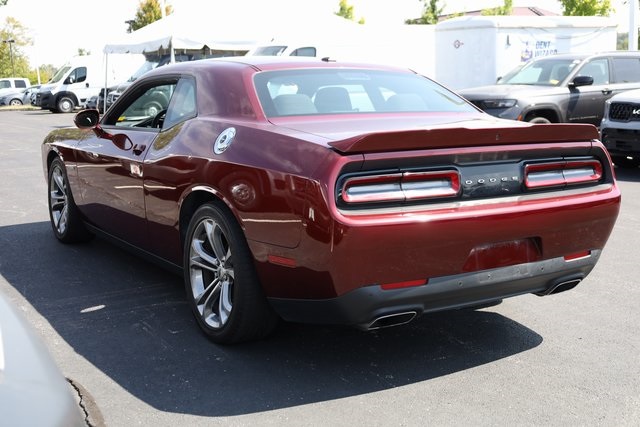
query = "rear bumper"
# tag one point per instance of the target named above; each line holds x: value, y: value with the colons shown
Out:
x: 363, y: 306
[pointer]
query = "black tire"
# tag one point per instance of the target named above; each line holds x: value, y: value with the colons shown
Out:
x: 221, y: 284
x: 65, y: 218
x: 15, y: 102
x: 65, y: 105
x: 539, y: 120
x: 625, y: 162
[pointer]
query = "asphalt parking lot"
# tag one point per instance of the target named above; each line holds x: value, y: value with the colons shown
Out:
x: 121, y: 329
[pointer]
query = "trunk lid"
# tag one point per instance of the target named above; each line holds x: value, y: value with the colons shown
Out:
x: 380, y: 133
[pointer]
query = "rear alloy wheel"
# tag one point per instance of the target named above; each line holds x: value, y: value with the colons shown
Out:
x: 220, y: 280
x: 63, y: 213
x: 15, y: 102
x: 65, y: 105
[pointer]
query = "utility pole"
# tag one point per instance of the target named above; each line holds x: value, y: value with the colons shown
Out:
x: 633, y: 24
x: 11, y: 42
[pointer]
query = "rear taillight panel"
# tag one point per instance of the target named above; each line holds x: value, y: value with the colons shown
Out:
x: 465, y: 181
x: 400, y: 187
x: 563, y: 173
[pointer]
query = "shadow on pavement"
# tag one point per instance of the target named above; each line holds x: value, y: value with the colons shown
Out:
x: 130, y: 320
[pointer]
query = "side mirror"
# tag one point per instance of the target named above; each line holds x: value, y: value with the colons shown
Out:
x: 87, y: 119
x: 581, y: 81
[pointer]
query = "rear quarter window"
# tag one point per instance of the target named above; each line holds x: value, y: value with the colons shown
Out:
x: 626, y: 70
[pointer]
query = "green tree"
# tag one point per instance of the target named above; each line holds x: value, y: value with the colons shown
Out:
x: 3, y: 2
x: 586, y: 7
x: 148, y: 11
x: 345, y: 10
x: 504, y: 10
x: 13, y: 63
x: 430, y: 13
x: 83, y: 52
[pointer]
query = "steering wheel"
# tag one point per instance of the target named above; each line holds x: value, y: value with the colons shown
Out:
x: 158, y: 119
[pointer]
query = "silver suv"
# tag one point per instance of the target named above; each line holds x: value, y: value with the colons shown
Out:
x: 620, y: 128
x: 569, y: 88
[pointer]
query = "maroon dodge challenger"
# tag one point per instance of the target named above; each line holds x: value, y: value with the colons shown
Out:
x: 326, y: 192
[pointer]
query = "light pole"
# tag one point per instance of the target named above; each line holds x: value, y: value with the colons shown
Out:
x: 11, y: 42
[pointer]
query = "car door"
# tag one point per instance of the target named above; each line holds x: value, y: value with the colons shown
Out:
x: 111, y: 162
x: 586, y: 103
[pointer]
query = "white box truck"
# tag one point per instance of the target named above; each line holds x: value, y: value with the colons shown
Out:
x: 477, y: 50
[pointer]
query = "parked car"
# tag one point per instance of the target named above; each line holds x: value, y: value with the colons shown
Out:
x: 12, y: 98
x: 29, y: 378
x: 19, y: 96
x: 620, y: 128
x: 328, y: 192
x: 569, y: 88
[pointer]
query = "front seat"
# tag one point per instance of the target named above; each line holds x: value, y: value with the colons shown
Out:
x: 333, y: 99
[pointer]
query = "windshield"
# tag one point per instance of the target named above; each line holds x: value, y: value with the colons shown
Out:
x: 541, y: 72
x: 269, y: 50
x: 351, y: 91
x: 60, y: 74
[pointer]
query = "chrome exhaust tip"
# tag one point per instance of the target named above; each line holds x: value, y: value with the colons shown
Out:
x: 563, y: 286
x: 394, y: 319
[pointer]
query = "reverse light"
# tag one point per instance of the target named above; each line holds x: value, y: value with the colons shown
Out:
x: 561, y: 173
x: 398, y: 187
x: 577, y: 256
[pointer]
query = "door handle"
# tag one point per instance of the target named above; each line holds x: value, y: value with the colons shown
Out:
x: 139, y: 149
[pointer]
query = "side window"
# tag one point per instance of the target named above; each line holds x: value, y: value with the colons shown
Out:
x: 20, y: 84
x: 81, y: 74
x: 304, y: 51
x: 144, y: 107
x: 598, y: 69
x: 77, y: 75
x: 626, y: 70
x: 183, y: 103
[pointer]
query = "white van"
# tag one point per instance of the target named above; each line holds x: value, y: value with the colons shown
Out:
x: 78, y: 80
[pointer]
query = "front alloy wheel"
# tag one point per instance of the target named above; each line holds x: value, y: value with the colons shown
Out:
x: 220, y: 279
x: 63, y: 213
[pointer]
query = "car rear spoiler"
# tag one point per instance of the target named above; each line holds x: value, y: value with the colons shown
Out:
x: 451, y: 137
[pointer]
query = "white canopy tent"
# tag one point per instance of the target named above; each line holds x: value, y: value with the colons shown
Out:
x: 234, y: 26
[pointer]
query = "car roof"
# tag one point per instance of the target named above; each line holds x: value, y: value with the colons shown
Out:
x: 264, y: 63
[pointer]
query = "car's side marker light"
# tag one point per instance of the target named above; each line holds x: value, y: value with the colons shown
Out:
x: 280, y: 260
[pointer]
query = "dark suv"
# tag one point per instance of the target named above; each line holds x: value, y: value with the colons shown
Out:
x: 559, y: 88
